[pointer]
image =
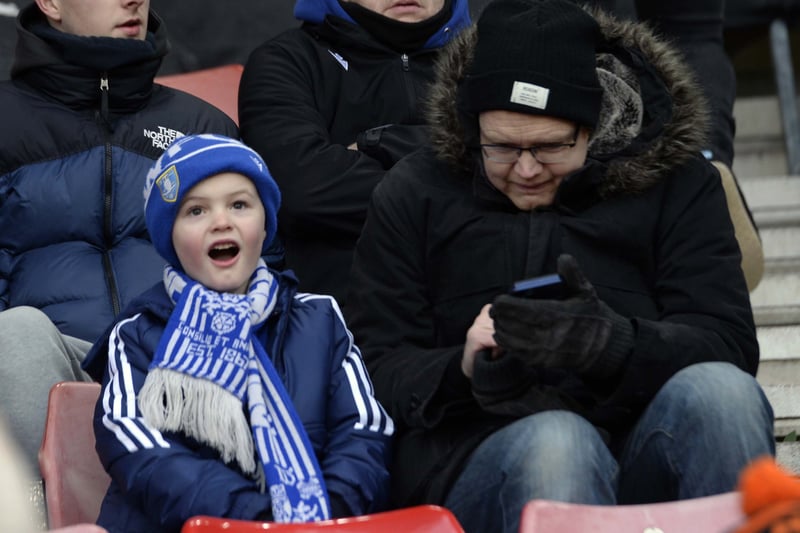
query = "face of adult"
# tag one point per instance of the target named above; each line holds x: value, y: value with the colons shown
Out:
x: 125, y: 19
x: 403, y: 10
x: 527, y: 181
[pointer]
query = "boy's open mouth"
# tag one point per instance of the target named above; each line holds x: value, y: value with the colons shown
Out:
x: 223, y: 251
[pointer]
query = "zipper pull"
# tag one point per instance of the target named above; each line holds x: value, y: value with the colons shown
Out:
x: 104, y: 98
x: 104, y: 95
x: 404, y: 59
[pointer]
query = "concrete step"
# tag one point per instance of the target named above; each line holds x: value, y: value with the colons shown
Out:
x: 780, y: 286
x: 777, y: 315
x: 780, y: 355
x: 758, y: 145
x: 779, y: 375
x: 774, y: 201
x: 775, y: 204
x: 757, y: 117
x: 765, y: 156
x: 785, y: 401
x: 780, y: 242
x: 788, y: 455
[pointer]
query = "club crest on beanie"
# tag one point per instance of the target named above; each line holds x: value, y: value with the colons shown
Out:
x: 188, y: 161
x: 535, y: 57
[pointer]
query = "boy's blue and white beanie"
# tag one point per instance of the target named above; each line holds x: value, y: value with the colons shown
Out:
x: 188, y: 161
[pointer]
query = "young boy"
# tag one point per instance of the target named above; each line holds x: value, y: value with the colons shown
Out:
x: 226, y: 392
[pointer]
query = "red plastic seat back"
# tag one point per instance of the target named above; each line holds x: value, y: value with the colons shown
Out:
x: 74, y: 480
x: 711, y: 514
x: 420, y: 519
x: 218, y: 86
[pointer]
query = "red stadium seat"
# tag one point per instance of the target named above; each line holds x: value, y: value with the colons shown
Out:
x: 74, y: 480
x: 218, y: 86
x: 711, y: 514
x: 420, y: 519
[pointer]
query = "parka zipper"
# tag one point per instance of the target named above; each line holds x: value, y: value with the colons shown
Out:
x: 409, y: 86
x: 108, y: 181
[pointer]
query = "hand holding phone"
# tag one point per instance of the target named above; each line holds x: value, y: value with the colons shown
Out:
x: 578, y: 332
x: 547, y: 287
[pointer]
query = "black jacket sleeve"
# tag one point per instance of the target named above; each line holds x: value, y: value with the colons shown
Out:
x: 284, y: 103
x: 389, y: 311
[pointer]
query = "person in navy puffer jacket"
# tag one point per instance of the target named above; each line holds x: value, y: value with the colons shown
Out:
x: 82, y: 121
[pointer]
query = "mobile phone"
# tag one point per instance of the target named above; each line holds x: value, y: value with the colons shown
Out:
x: 549, y: 287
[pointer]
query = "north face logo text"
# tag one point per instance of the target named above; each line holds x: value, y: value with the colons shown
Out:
x: 162, y: 137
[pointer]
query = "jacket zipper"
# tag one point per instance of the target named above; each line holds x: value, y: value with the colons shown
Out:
x: 404, y: 59
x: 107, y: 196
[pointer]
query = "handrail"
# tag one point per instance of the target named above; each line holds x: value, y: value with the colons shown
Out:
x: 787, y: 97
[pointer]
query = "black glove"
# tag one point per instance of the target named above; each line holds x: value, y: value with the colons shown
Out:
x: 580, y: 332
x: 390, y: 143
x: 508, y: 386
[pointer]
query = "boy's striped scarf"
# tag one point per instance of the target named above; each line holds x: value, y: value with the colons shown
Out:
x: 209, y: 367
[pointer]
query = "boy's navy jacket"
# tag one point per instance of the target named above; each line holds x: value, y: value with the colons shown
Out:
x: 159, y: 480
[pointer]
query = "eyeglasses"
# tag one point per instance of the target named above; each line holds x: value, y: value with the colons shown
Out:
x: 546, y: 154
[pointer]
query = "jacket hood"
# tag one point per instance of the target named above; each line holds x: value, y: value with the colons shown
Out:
x: 315, y: 11
x: 653, y: 115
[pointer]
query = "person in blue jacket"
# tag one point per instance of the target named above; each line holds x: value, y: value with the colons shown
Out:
x: 82, y: 121
x: 227, y: 392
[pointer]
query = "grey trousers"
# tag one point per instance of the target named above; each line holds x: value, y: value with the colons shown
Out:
x: 34, y: 355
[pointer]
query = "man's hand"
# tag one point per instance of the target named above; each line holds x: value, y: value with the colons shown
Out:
x: 480, y: 336
x: 580, y: 332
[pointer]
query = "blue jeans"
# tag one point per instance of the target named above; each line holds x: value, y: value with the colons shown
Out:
x: 698, y: 432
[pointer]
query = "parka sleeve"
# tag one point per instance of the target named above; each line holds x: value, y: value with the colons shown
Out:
x: 165, y: 479
x: 357, y: 452
x: 325, y: 186
x: 389, y: 310
x: 704, y: 311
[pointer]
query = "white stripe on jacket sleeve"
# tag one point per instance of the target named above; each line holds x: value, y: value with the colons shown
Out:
x: 121, y: 416
x: 372, y: 415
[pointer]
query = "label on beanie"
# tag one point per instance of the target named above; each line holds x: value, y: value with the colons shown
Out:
x: 529, y: 94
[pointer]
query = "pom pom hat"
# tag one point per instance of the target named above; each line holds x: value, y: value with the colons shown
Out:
x: 535, y: 57
x: 188, y: 161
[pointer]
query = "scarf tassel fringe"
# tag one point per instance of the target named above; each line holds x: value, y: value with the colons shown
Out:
x: 176, y: 402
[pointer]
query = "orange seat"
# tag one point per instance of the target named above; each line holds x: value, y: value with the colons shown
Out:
x: 710, y: 514
x: 218, y: 86
x: 74, y: 480
x: 420, y: 519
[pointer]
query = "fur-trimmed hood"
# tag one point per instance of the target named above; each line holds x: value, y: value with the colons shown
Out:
x: 653, y: 116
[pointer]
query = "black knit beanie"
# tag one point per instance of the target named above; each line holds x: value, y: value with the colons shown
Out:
x: 535, y: 57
